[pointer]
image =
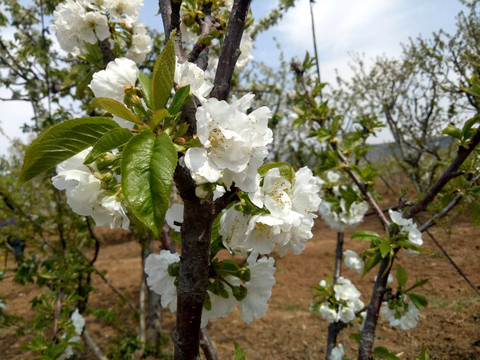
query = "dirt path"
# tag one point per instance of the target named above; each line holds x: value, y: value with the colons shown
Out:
x: 449, y: 327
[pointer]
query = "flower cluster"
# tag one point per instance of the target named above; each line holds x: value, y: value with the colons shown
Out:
x: 77, y: 22
x: 339, y: 302
x: 251, y: 290
x: 234, y: 143
x: 335, y: 210
x: 86, y: 194
x: 401, y: 313
x: 284, y: 216
x: 407, y: 228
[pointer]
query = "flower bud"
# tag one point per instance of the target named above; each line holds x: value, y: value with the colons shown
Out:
x: 239, y: 292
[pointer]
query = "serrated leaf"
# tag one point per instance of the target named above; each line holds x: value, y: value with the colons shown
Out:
x: 146, y: 84
x: 178, y: 99
x: 61, y: 142
x: 239, y: 353
x: 113, y: 139
x: 383, y: 353
x: 148, y: 164
x: 163, y: 74
x: 418, y: 300
x: 402, y: 276
x: 158, y: 116
x: 114, y: 107
x: 286, y: 171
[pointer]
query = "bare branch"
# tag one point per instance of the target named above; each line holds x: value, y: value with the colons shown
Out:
x: 230, y: 51
x: 207, y: 346
x: 92, y: 345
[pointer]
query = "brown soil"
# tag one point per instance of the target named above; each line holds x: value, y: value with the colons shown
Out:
x: 449, y: 327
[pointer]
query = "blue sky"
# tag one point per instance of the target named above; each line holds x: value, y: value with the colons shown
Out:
x: 372, y: 27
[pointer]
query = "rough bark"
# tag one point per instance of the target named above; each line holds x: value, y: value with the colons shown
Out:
x: 193, y: 279
x: 230, y: 51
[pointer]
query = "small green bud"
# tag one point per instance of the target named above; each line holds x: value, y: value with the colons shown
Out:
x: 245, y: 274
x: 239, y: 292
x: 174, y: 269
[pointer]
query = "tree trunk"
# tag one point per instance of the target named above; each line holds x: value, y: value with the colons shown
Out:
x: 193, y: 279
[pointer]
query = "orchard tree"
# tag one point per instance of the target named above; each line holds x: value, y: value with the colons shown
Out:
x: 164, y: 140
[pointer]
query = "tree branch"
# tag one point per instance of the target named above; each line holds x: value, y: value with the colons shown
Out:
x: 450, y: 173
x: 207, y: 346
x: 230, y: 51
x: 92, y: 345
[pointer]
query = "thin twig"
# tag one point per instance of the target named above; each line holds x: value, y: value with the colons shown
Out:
x: 92, y: 345
x: 444, y: 252
x: 207, y: 346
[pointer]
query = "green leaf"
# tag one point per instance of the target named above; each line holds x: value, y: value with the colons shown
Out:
x: 114, y: 107
x: 408, y: 245
x: 239, y: 353
x: 402, y: 276
x: 61, y: 142
x: 424, y: 355
x: 148, y: 163
x: 113, y: 139
x: 158, y: 116
x: 383, y: 353
x: 417, y: 283
x: 385, y: 248
x: 467, y: 127
x: 146, y: 84
x: 163, y: 74
x: 452, y: 131
x: 372, y: 261
x: 366, y: 235
x: 286, y: 171
x: 418, y: 300
x: 179, y: 99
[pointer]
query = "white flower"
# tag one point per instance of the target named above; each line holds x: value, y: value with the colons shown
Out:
x: 246, y: 47
x: 111, y: 82
x: 259, y: 287
x: 3, y: 305
x: 289, y: 222
x: 340, y: 220
x: 233, y: 229
x: 407, y: 226
x: 397, y: 316
x: 221, y: 306
x: 159, y: 280
x: 353, y: 261
x: 129, y: 10
x: 85, y: 195
x: 337, y: 353
x: 73, y: 25
x: 333, y: 177
x: 328, y: 313
x: 78, y: 322
x: 234, y: 143
x: 190, y: 74
x: 188, y: 36
x: 175, y: 215
x: 349, y: 302
x: 141, y: 43
x: 218, y: 192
